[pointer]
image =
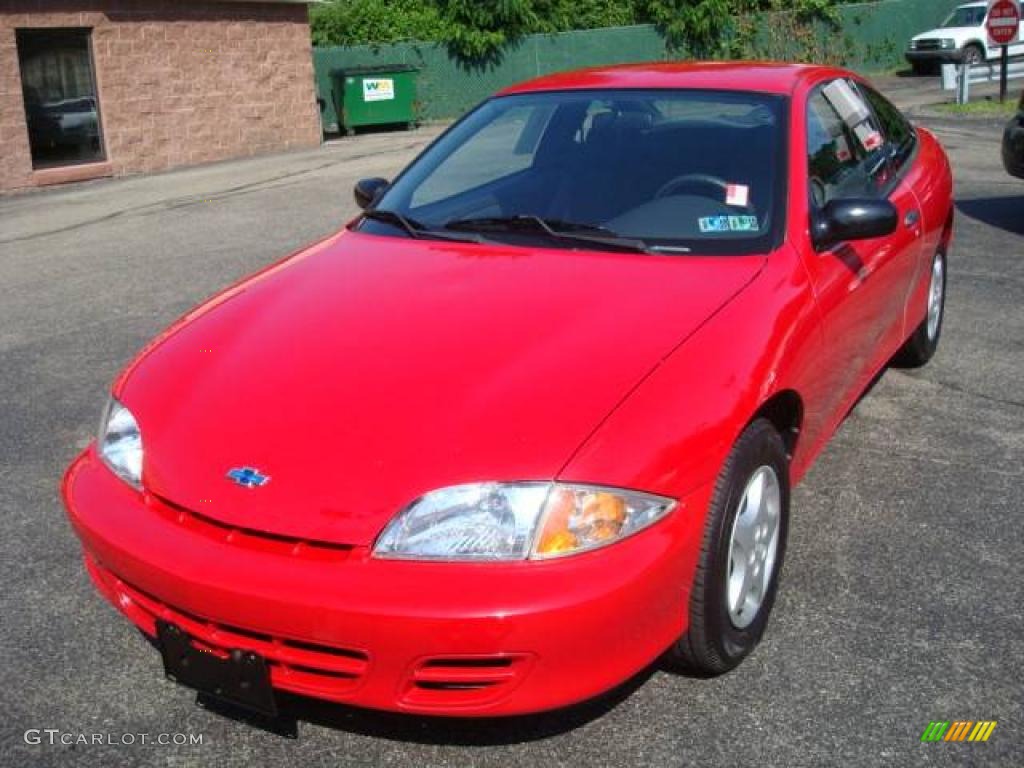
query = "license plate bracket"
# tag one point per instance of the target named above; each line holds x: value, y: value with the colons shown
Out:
x: 241, y: 678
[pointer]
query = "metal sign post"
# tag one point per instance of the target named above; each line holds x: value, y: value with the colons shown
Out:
x: 1003, y: 25
x: 1004, y: 66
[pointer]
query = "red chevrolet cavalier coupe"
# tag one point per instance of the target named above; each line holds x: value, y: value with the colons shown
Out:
x: 532, y: 419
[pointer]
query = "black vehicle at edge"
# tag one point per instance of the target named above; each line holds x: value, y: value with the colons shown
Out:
x: 1013, y: 143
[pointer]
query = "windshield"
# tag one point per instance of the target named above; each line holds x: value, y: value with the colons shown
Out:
x: 666, y: 171
x: 966, y: 16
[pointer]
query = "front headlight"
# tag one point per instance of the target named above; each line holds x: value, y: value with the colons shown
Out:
x: 948, y: 44
x: 516, y: 521
x: 913, y: 45
x: 120, y: 443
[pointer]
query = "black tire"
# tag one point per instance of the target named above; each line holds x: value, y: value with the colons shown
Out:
x: 973, y: 54
x: 713, y: 644
x: 922, y: 344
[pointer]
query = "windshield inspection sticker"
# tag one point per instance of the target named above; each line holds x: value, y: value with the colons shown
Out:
x: 854, y: 112
x: 737, y: 194
x: 714, y: 224
x: 868, y: 137
x: 728, y: 224
x: 850, y: 106
x: 843, y: 153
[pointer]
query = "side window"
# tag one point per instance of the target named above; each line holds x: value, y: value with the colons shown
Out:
x: 899, y: 134
x: 503, y: 147
x: 845, y: 153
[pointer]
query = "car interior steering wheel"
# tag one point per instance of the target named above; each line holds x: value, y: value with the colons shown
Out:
x: 701, y: 184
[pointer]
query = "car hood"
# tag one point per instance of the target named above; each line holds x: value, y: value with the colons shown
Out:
x: 366, y: 371
x: 953, y: 33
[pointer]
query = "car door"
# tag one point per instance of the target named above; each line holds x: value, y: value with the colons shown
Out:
x: 917, y: 171
x: 860, y: 286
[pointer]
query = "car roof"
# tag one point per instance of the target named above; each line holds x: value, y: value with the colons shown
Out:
x: 766, y: 77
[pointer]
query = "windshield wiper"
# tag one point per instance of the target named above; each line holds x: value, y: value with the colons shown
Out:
x: 553, y: 228
x: 413, y: 228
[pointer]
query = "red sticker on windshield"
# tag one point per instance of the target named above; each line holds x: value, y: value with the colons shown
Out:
x: 737, y: 194
x: 843, y: 153
x: 868, y: 136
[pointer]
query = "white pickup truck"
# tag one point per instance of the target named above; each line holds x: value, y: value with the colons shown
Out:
x: 961, y: 37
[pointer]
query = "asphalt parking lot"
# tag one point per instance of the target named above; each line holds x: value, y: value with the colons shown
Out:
x: 902, y: 593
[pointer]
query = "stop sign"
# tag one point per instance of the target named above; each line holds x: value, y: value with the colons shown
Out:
x: 1003, y: 22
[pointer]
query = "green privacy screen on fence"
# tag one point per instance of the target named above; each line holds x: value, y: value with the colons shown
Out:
x: 448, y: 86
x: 871, y: 37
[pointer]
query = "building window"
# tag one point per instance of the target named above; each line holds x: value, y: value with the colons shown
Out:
x: 59, y: 89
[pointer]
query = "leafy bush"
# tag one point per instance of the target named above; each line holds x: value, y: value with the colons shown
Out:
x: 355, y: 22
x: 802, y: 31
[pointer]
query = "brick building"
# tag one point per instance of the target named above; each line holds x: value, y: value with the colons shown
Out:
x: 92, y: 88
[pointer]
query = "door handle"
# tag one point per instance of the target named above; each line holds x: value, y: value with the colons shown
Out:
x: 911, y: 218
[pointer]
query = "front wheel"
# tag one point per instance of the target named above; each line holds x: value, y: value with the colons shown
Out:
x: 744, y: 543
x: 923, y: 342
x: 973, y: 55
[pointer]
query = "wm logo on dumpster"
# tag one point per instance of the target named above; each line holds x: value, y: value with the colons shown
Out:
x: 958, y: 730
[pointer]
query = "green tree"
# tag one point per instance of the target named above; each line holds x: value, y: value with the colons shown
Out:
x: 479, y: 29
x: 565, y: 15
x: 697, y: 26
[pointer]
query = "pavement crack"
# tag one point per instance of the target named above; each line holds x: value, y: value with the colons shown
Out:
x: 979, y: 395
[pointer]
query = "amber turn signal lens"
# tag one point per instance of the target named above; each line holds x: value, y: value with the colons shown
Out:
x: 556, y: 536
x: 580, y: 519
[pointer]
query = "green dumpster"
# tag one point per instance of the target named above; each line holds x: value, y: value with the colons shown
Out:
x: 379, y: 95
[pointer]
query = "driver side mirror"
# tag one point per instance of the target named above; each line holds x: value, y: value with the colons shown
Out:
x: 853, y: 219
x: 368, y: 191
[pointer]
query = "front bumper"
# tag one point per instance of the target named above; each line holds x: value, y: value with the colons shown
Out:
x: 937, y: 56
x: 1013, y: 146
x: 431, y: 638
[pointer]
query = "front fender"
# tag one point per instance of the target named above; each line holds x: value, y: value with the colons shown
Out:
x: 672, y: 434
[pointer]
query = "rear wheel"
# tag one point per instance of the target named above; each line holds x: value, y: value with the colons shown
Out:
x: 744, y: 543
x: 923, y: 342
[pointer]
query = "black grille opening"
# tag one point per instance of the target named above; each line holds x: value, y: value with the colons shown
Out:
x: 469, y: 663
x: 323, y: 672
x: 445, y: 685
